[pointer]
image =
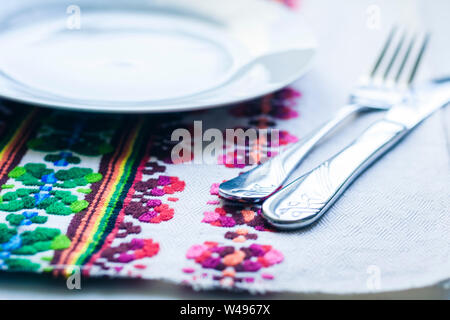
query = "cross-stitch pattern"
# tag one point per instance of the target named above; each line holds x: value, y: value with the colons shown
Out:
x: 101, y: 192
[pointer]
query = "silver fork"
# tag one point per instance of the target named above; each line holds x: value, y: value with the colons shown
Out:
x: 378, y: 90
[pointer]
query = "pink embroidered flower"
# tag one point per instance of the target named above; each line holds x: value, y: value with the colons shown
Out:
x: 188, y: 270
x: 215, y: 189
x: 229, y: 216
x: 251, y: 266
x: 136, y: 244
x: 227, y: 222
x: 154, y: 203
x: 240, y: 235
x: 134, y: 250
x: 257, y: 250
x: 210, y: 217
x: 148, y: 216
x: 267, y: 276
x: 163, y: 180
x: 286, y: 138
x: 273, y: 257
x: 157, y: 192
x: 196, y: 251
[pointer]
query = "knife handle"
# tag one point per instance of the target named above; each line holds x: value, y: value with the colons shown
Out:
x: 306, y: 199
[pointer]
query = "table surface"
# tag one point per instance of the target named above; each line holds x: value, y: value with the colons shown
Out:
x: 321, y: 14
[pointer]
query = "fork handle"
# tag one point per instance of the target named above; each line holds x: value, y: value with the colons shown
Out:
x: 306, y: 199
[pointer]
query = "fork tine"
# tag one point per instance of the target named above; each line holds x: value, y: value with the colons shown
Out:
x: 405, y: 59
x: 395, y: 55
x: 383, y: 51
x: 419, y: 58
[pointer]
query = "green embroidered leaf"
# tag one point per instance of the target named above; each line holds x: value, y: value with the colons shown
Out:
x: 25, y: 250
x: 22, y: 192
x: 60, y: 242
x: 38, y: 235
x: 79, y: 205
x: 28, y: 202
x: 21, y: 265
x: 39, y: 219
x: 11, y: 206
x: 17, y: 172
x: 42, y: 246
x: 15, y: 219
x: 94, y: 177
x: 105, y: 148
x: 35, y: 143
x: 58, y: 208
x: 10, y: 196
x: 5, y: 233
x: 85, y: 190
x: 37, y: 170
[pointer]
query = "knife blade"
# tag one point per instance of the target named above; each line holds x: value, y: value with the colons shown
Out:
x: 306, y: 199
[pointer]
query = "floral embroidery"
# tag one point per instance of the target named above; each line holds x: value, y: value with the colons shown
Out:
x: 103, y: 179
x: 62, y: 159
x: 230, y: 215
x: 240, y: 235
x: 86, y: 135
x: 129, y: 251
x: 44, y: 195
x: 27, y: 243
x: 127, y: 228
x: 35, y: 190
x: 231, y: 263
x: 146, y: 205
x: 117, y: 172
x: 262, y: 114
x: 161, y: 128
x: 279, y: 105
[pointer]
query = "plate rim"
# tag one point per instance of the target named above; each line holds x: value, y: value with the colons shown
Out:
x: 29, y: 99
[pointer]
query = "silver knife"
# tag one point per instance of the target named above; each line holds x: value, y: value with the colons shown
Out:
x: 306, y: 199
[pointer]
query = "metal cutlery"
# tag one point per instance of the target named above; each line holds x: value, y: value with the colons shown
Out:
x: 306, y: 199
x: 378, y: 90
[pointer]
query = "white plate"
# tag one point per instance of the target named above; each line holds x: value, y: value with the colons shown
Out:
x: 148, y: 56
